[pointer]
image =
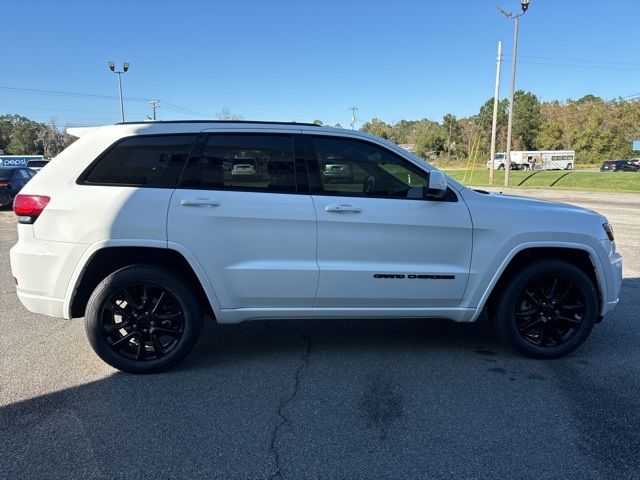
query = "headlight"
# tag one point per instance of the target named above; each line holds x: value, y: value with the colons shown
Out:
x: 609, y: 230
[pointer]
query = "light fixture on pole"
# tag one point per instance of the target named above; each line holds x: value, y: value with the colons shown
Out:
x: 125, y: 67
x: 524, y: 4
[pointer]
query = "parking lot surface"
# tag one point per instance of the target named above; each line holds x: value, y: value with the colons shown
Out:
x: 358, y: 399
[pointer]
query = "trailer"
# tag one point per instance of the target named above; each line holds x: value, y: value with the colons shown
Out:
x: 536, y: 160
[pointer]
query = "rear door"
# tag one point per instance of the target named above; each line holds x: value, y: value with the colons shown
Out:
x: 380, y: 242
x: 253, y: 230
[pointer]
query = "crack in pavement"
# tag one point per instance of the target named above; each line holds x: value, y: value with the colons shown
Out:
x: 284, y: 420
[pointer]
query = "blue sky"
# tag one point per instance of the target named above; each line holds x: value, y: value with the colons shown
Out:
x: 302, y: 60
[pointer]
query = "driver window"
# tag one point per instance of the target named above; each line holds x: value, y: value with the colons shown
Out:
x: 351, y: 167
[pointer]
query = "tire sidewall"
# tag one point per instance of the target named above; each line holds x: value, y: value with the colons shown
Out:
x: 134, y: 275
x: 506, y: 308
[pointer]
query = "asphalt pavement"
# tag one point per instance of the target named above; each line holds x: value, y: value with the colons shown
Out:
x: 363, y: 399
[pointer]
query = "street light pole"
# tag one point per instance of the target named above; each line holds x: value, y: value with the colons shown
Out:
x: 121, y: 102
x: 511, y: 105
x: 125, y: 67
x: 525, y: 6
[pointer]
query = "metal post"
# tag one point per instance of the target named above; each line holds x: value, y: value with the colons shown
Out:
x: 507, y: 167
x: 121, y: 102
x: 494, y: 123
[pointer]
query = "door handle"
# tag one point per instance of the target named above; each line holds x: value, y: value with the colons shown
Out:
x: 197, y: 202
x: 342, y: 208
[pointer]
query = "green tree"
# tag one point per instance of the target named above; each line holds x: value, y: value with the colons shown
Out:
x: 526, y: 120
x: 24, y: 139
x: 429, y: 138
x: 453, y: 131
x: 377, y: 127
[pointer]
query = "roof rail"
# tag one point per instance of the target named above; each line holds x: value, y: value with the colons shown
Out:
x: 221, y: 121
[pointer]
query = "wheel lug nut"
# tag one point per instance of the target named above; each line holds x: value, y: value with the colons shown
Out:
x: 144, y: 330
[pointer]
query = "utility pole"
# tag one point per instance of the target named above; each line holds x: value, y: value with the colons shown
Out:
x: 449, y: 143
x: 353, y: 117
x: 525, y: 6
x: 154, y: 105
x: 494, y: 123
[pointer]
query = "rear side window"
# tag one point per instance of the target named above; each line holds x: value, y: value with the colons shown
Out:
x: 255, y: 162
x: 147, y: 161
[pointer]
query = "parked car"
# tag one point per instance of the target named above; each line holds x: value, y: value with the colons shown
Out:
x: 5, y: 198
x: 144, y: 234
x: 620, y: 166
x: 12, y: 180
x: 37, y: 165
x: 244, y: 167
x: 338, y: 171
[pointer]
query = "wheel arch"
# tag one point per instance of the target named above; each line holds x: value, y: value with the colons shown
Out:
x: 582, y: 256
x: 106, y: 259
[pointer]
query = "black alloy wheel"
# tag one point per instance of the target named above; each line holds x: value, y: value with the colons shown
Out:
x: 143, y: 319
x: 142, y: 322
x: 547, y: 309
x: 550, y: 311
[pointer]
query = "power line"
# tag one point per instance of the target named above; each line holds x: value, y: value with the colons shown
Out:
x: 34, y: 91
x: 580, y: 60
x: 593, y: 67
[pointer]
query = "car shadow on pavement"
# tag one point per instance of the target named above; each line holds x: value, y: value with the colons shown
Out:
x: 342, y: 399
x: 261, y: 339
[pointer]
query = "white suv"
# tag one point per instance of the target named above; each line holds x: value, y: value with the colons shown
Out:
x: 142, y: 228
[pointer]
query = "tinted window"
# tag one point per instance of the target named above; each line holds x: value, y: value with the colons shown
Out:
x: 243, y: 162
x: 23, y: 174
x: 6, y: 173
x: 350, y: 167
x: 152, y: 161
x: 36, y: 163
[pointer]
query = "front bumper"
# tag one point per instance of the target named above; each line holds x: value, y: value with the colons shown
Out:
x: 613, y: 290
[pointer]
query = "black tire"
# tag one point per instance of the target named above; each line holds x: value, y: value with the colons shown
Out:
x: 501, y: 166
x: 161, y: 310
x: 547, y: 321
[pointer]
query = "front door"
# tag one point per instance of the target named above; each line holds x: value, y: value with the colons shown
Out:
x: 381, y: 243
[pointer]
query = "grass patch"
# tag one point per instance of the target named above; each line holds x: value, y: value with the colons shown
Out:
x: 576, y: 180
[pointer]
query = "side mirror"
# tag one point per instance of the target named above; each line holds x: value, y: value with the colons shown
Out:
x: 437, y: 185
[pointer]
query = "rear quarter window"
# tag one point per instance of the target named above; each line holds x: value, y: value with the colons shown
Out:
x: 145, y: 161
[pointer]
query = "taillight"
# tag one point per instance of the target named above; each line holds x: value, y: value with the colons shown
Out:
x: 29, y: 207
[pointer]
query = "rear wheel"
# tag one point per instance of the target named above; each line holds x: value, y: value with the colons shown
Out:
x: 143, y: 319
x: 548, y: 309
x: 569, y: 166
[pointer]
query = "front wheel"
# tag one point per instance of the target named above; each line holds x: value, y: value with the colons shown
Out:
x: 548, y: 309
x: 143, y: 319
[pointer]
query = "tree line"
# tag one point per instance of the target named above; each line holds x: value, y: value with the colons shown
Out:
x: 595, y: 128
x: 22, y: 136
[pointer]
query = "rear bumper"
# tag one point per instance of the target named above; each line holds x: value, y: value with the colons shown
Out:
x: 52, y: 307
x: 42, y: 270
